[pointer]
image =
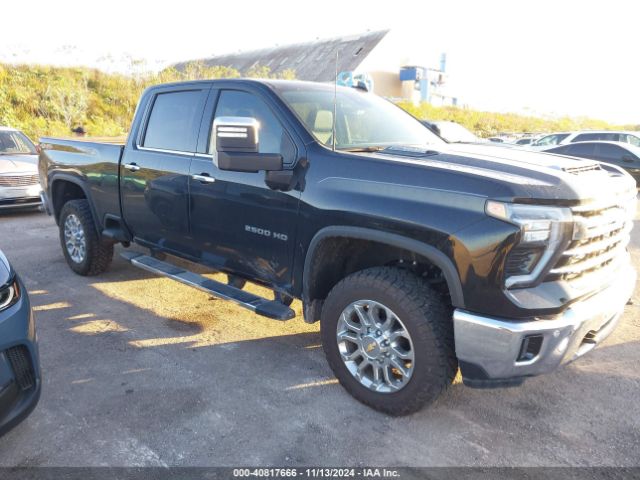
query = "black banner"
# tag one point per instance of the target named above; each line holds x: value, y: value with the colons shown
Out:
x: 404, y: 473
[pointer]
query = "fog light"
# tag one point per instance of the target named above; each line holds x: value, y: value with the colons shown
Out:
x: 530, y: 348
x: 522, y: 260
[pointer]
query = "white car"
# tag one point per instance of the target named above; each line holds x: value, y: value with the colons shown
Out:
x: 525, y: 141
x: 564, y: 138
x: 19, y: 182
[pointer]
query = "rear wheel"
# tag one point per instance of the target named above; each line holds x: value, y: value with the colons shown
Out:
x: 84, y: 251
x: 388, y: 338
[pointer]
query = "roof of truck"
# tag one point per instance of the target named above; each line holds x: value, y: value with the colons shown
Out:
x: 273, y: 83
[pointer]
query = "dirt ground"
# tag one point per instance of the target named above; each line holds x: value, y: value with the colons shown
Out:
x: 139, y: 370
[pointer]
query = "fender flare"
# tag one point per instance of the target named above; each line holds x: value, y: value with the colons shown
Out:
x: 437, y: 257
x: 76, y: 181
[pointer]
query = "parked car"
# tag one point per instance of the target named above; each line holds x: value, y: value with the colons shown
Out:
x: 623, y: 155
x: 19, y: 183
x: 632, y: 138
x: 525, y: 141
x: 19, y: 361
x: 564, y: 138
x: 453, y: 132
x: 550, y: 140
x: 417, y: 256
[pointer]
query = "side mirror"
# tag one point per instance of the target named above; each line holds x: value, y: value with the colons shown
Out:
x: 236, y: 146
x: 628, y: 158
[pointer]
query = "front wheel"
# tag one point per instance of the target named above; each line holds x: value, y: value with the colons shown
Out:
x: 388, y: 338
x: 84, y: 251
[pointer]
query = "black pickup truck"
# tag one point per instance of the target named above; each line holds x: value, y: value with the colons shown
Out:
x: 418, y: 257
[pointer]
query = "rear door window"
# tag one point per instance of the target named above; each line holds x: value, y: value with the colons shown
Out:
x: 583, y: 150
x: 584, y: 137
x: 605, y: 136
x: 174, y: 121
x: 611, y: 153
x: 633, y: 140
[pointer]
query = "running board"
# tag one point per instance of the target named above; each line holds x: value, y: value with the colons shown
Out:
x: 259, y: 305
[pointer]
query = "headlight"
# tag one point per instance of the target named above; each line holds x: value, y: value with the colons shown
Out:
x: 543, y: 230
x: 9, y: 296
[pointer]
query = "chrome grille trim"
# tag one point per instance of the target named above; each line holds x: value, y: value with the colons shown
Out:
x: 589, y: 263
x: 619, y: 236
x: 605, y: 222
x: 600, y: 238
x: 19, y: 180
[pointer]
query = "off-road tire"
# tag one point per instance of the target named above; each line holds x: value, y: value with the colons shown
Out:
x: 99, y: 253
x: 426, y: 316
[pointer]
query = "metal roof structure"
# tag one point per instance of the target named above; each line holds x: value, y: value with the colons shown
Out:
x: 313, y: 61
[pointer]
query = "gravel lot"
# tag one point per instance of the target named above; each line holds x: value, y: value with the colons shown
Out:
x: 140, y: 370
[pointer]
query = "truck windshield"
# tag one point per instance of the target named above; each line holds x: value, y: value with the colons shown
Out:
x: 364, y: 121
x: 14, y: 142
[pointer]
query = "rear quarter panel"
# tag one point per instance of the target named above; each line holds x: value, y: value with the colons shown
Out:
x: 93, y: 166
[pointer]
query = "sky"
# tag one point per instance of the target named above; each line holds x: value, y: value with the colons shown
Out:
x: 561, y: 57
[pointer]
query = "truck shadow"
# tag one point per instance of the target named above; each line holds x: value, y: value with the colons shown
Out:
x: 146, y: 346
x: 139, y: 311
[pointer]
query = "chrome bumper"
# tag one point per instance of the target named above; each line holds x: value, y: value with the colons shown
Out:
x: 19, y: 197
x: 491, y: 347
x: 12, y: 193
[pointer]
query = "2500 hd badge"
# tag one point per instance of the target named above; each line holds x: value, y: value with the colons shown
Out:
x: 266, y: 233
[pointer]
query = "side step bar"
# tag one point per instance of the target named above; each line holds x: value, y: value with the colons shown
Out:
x: 259, y: 305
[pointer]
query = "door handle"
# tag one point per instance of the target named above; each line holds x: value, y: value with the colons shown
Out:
x: 131, y: 166
x: 204, y: 178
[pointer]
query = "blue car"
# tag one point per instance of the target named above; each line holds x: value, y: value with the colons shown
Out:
x: 19, y: 364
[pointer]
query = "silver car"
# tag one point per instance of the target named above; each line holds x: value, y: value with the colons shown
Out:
x: 19, y: 182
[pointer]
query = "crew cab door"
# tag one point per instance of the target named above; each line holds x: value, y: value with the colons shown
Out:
x: 238, y: 223
x: 154, y: 172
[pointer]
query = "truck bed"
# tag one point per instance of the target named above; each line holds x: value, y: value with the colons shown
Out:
x: 96, y: 164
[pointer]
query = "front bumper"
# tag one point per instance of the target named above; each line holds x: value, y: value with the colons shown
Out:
x: 20, y: 380
x: 492, y: 352
x: 20, y: 197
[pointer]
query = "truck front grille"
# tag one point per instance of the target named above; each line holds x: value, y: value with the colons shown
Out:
x: 18, y: 180
x: 21, y: 365
x: 600, y: 239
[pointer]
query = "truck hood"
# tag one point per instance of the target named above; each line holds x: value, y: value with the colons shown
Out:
x: 514, y: 174
x: 517, y: 157
x: 18, y: 164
